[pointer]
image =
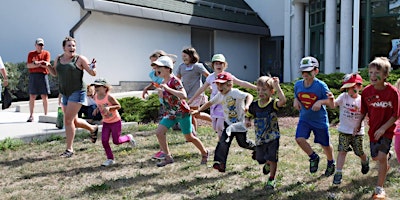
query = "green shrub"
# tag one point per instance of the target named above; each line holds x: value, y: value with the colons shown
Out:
x: 139, y: 110
x: 18, y: 76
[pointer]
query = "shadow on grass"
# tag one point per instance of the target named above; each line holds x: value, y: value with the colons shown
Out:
x: 22, y: 161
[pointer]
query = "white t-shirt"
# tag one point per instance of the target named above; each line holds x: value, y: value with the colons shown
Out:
x: 233, y: 104
x: 350, y: 113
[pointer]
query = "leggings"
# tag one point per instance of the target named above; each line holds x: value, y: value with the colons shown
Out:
x: 115, y: 130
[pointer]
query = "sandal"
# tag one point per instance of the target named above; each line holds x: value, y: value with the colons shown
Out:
x: 30, y: 119
x: 67, y: 154
x: 93, y: 135
x: 204, y: 158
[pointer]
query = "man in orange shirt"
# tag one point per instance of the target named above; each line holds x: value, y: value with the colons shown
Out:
x: 38, y: 76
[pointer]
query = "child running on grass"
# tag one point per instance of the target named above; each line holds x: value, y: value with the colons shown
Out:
x: 264, y: 113
x: 155, y: 83
x: 311, y: 98
x: 380, y: 100
x: 349, y: 103
x: 176, y: 110
x: 219, y: 65
x: 235, y: 104
x: 108, y: 106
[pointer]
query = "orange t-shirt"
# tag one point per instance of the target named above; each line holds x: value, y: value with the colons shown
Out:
x: 35, y: 56
x: 108, y: 116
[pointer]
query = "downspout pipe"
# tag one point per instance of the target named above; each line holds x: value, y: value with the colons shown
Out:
x: 80, y: 22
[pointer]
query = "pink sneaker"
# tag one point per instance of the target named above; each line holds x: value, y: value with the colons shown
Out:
x: 159, y: 155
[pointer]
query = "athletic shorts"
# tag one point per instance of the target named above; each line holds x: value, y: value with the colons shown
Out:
x: 347, y: 142
x: 383, y: 145
x: 321, y: 135
x: 267, y: 152
x: 185, y: 123
x: 38, y: 84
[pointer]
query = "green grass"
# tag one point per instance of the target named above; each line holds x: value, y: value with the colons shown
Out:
x: 35, y: 171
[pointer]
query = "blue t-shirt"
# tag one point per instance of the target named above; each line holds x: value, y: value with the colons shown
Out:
x: 154, y: 78
x: 307, y: 96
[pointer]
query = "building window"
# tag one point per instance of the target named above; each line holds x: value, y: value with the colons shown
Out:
x: 382, y: 27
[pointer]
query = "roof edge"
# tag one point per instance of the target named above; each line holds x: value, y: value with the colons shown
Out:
x: 161, y: 15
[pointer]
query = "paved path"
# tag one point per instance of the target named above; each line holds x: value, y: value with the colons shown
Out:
x: 13, y: 120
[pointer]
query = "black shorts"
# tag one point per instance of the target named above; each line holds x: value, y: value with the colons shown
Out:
x: 383, y: 145
x: 38, y: 84
x: 267, y: 152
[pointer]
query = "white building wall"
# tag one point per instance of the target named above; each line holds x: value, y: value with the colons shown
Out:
x: 22, y: 21
x: 122, y: 49
x: 120, y: 44
x: 240, y: 50
x: 272, y: 13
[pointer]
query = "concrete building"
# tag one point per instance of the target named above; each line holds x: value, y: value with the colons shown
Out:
x: 257, y: 36
x: 122, y: 34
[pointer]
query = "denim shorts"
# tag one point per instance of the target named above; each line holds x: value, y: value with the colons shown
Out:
x: 78, y: 96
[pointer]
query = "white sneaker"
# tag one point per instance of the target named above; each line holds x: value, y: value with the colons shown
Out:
x: 108, y: 162
x: 132, y: 141
x: 379, y: 193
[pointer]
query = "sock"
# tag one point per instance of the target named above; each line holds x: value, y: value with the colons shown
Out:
x: 313, y: 156
x: 330, y: 162
x: 271, y: 178
x: 338, y: 171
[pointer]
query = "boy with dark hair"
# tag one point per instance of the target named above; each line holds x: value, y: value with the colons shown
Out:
x: 311, y: 98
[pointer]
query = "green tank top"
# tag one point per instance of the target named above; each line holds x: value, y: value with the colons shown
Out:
x: 70, y: 77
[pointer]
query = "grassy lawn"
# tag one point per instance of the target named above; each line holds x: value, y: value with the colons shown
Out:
x: 35, y: 171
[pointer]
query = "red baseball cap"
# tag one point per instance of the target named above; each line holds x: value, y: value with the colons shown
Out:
x: 223, y: 77
x: 350, y: 80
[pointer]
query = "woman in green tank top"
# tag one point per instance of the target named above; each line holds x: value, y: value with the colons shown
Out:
x: 69, y: 67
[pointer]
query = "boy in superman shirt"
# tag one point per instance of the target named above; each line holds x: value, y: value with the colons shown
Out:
x: 311, y: 98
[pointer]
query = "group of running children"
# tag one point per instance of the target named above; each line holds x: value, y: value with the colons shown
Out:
x: 232, y: 110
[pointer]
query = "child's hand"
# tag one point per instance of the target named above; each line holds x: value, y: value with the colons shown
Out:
x: 248, y: 123
x: 317, y: 106
x: 379, y: 133
x: 275, y: 82
x: 194, y: 112
x: 356, y: 129
x: 246, y: 108
x: 330, y: 95
x: 296, y: 104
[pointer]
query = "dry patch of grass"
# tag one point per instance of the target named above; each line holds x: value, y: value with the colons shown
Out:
x: 34, y: 171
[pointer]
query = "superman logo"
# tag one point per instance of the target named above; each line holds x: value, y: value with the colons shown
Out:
x: 307, y: 99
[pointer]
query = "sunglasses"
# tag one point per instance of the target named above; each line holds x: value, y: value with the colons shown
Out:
x: 158, y: 72
x: 97, y: 86
x: 41, y: 45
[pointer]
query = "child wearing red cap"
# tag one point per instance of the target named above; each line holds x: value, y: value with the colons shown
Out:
x: 235, y: 104
x: 349, y: 103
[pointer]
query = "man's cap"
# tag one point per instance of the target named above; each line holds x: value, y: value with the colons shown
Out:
x: 39, y: 41
x: 101, y: 82
x: 308, y: 63
x: 350, y: 80
x: 223, y: 77
x: 218, y: 57
x: 163, y: 61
